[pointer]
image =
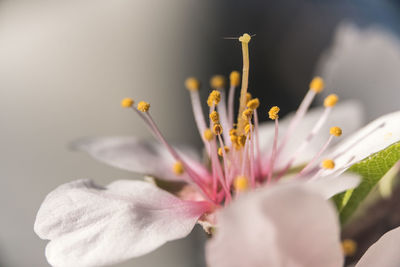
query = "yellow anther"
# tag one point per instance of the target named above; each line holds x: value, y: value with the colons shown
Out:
x: 208, y: 135
x: 192, y: 84
x: 214, y: 116
x: 178, y: 168
x: 349, y: 247
x: 127, y: 102
x: 217, y: 82
x: 247, y: 128
x: 245, y: 38
x: 214, y: 98
x: 335, y: 131
x: 253, y: 103
x: 247, y: 114
x: 248, y: 97
x: 217, y: 129
x: 232, y: 132
x: 328, y: 164
x: 241, y: 140
x: 331, y: 100
x: 234, y: 139
x: 143, y: 106
x: 317, y: 84
x: 235, y: 78
x: 220, y: 152
x: 241, y: 183
x: 273, y: 113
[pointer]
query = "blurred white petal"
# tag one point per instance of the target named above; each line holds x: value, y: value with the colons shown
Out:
x: 384, y: 253
x: 285, y: 225
x: 90, y: 225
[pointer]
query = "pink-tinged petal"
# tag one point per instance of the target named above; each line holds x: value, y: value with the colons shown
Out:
x: 372, y: 138
x: 140, y: 156
x: 347, y: 115
x: 284, y: 225
x: 329, y: 186
x: 384, y: 253
x: 90, y: 225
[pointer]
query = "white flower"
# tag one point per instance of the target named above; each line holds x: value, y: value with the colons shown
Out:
x: 90, y: 225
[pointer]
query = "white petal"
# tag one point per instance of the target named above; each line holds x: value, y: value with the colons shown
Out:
x: 284, y: 225
x: 132, y: 154
x: 384, y: 253
x: 347, y: 115
x: 329, y: 186
x: 89, y: 225
x: 372, y: 138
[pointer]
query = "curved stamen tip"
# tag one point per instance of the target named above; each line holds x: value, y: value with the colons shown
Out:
x: 214, y: 116
x: 273, y: 113
x: 253, y: 103
x: 349, y: 247
x: 143, y: 106
x: 317, y: 84
x: 217, y: 129
x: 328, y: 164
x: 192, y: 84
x: 248, y: 127
x: 178, y: 168
x: 245, y: 38
x: 208, y: 135
x: 335, y: 131
x: 127, y: 102
x: 331, y: 100
x: 235, y: 78
x: 214, y: 98
x: 241, y: 183
x: 218, y: 82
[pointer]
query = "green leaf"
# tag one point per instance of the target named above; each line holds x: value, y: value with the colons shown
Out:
x: 371, y: 170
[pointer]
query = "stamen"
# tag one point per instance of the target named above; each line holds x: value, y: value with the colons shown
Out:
x: 257, y: 142
x: 328, y: 164
x: 217, y: 129
x: 335, y: 132
x: 235, y: 82
x: 217, y: 82
x: 331, y: 100
x: 143, y: 106
x: 349, y: 247
x: 253, y: 103
x: 214, y: 116
x: 241, y: 183
x: 244, y: 39
x: 220, y: 150
x: 127, y: 102
x: 273, y: 115
x: 309, y: 138
x: 223, y: 116
x: 178, y: 168
x: 316, y: 86
x: 192, y: 84
x: 225, y: 184
x: 214, y: 98
x: 247, y: 115
x: 208, y: 135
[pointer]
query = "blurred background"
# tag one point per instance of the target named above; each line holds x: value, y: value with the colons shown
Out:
x: 65, y: 66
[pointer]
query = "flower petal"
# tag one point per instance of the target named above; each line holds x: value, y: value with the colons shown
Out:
x: 89, y: 225
x: 347, y: 115
x: 372, y: 138
x: 329, y: 186
x: 140, y: 156
x: 385, y: 252
x: 284, y: 225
